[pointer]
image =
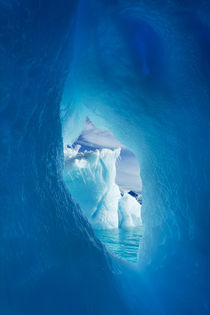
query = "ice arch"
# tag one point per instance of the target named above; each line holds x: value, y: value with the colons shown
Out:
x: 138, y: 84
x: 50, y: 261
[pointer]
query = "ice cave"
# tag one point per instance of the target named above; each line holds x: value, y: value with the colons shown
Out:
x: 140, y: 69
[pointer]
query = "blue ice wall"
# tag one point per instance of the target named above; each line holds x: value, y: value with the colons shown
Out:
x: 50, y: 260
x: 140, y: 69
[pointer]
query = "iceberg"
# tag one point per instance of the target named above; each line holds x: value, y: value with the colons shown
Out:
x: 129, y: 211
x: 90, y: 177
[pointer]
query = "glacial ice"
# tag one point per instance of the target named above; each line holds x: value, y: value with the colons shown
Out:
x: 142, y: 70
x: 129, y: 211
x: 90, y: 177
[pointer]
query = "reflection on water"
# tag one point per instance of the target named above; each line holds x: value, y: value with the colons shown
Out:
x: 122, y: 242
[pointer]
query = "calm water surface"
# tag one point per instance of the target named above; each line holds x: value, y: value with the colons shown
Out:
x: 123, y: 242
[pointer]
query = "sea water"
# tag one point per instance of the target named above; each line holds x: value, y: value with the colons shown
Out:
x: 123, y: 242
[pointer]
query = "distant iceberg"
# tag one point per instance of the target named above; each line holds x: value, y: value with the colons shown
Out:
x: 129, y: 211
x: 90, y: 177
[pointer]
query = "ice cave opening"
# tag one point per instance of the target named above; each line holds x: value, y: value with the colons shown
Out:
x: 103, y: 177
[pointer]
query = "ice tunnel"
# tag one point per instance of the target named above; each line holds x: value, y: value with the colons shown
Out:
x: 141, y: 70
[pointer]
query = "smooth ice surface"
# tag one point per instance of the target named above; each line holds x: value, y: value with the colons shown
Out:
x: 90, y: 177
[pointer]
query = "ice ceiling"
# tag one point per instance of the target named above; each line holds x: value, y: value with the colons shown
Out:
x: 140, y: 69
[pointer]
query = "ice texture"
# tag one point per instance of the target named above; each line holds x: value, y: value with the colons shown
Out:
x: 129, y: 211
x: 90, y: 177
x: 140, y: 69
